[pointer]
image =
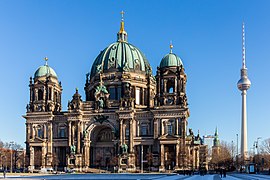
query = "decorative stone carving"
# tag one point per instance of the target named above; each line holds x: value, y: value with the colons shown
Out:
x: 124, y: 149
x: 76, y: 101
x: 101, y: 96
x: 72, y: 149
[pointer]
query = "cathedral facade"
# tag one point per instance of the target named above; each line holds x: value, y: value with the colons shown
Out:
x: 129, y: 119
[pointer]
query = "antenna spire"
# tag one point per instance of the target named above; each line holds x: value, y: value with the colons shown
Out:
x: 243, y: 47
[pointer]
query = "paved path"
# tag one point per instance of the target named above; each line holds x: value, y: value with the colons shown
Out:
x: 142, y: 177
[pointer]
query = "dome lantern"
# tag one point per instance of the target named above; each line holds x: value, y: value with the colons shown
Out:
x: 122, y: 34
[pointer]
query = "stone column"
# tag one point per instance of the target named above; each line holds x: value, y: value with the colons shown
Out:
x: 138, y: 128
x: 69, y: 134
x: 176, y: 126
x: 86, y: 153
x: 162, y: 156
x: 36, y: 94
x: 43, y: 158
x: 78, y: 137
x: 73, y: 134
x: 143, y: 91
x: 28, y: 131
x: 49, y: 144
x: 184, y: 127
x: 177, y: 156
x: 121, y: 132
x: 175, y: 85
x: 131, y: 136
x: 165, y: 85
x: 32, y: 158
x: 45, y: 131
x: 155, y: 128
x: 124, y: 132
x: 163, y: 129
x: 187, y: 158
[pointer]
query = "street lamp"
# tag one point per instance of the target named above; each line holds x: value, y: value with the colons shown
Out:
x: 257, y: 144
x: 237, y: 152
x: 11, y: 146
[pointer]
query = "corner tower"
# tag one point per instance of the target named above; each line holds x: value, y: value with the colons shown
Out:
x: 45, y: 90
x: 243, y: 85
x: 171, y: 81
x: 43, y: 107
x: 171, y: 113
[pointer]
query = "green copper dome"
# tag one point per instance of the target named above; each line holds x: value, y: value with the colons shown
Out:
x: 121, y: 56
x: 170, y: 60
x: 45, y: 71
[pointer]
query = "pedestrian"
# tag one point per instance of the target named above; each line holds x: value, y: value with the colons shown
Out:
x: 220, y: 171
x: 224, y: 172
x: 4, y: 174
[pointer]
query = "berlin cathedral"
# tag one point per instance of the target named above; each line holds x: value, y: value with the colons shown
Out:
x: 129, y: 120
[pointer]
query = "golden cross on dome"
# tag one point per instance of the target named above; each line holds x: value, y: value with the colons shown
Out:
x: 46, y: 60
x: 171, y: 46
x: 122, y: 14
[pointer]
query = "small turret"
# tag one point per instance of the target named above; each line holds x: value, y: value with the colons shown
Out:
x: 216, y: 139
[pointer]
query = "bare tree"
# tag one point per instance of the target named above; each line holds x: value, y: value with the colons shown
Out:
x: 224, y: 156
x: 265, y: 147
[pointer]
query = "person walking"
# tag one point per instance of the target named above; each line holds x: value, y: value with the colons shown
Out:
x: 224, y: 172
x: 220, y: 171
x: 4, y: 174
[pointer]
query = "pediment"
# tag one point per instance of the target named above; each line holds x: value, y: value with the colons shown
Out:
x: 167, y: 136
x: 37, y: 139
x: 168, y: 72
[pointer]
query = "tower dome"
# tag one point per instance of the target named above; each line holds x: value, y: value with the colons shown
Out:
x: 45, y: 70
x: 121, y: 56
x: 170, y: 60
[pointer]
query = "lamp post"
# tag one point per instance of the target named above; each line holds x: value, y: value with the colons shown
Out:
x: 257, y: 144
x: 11, y: 146
x: 237, y: 152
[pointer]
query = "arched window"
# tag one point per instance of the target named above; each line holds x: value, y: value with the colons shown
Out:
x: 170, y: 86
x: 39, y: 132
x: 127, y: 132
x: 138, y: 96
x: 50, y: 94
x: 171, y: 90
x: 112, y: 93
x: 40, y: 94
x: 55, y: 97
x: 62, y: 132
x: 170, y: 128
x: 144, y: 129
x: 33, y: 95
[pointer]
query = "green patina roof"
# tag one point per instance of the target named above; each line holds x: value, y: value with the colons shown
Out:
x: 121, y: 56
x: 45, y: 71
x: 170, y: 60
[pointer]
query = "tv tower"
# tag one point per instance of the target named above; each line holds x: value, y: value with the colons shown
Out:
x: 243, y: 85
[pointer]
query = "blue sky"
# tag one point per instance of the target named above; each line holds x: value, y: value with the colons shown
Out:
x: 205, y: 34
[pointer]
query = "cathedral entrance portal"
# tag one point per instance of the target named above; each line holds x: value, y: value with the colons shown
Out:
x: 169, y: 157
x: 102, y: 148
